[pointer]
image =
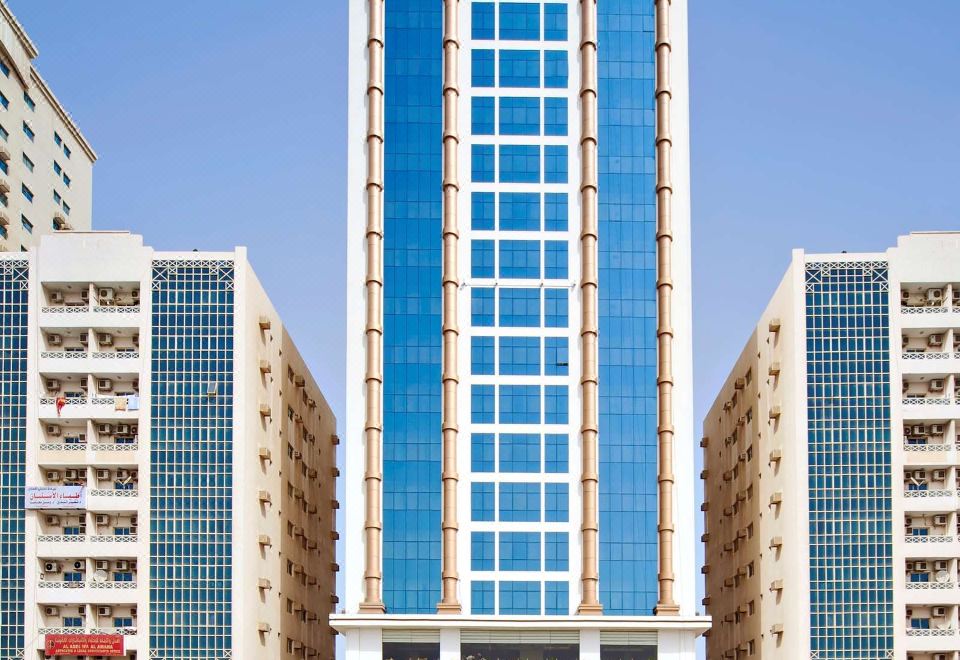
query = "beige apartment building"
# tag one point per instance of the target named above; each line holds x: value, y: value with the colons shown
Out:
x: 831, y: 464
x: 168, y: 475
x: 46, y: 165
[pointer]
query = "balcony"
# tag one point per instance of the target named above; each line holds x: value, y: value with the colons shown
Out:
x: 931, y: 593
x: 934, y: 499
x: 96, y: 407
x: 99, y: 362
x: 78, y: 314
x: 931, y: 639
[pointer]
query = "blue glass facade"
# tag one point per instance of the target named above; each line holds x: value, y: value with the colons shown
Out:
x: 848, y: 408
x: 191, y: 460
x: 14, y: 279
x: 628, y: 350
x: 412, y: 306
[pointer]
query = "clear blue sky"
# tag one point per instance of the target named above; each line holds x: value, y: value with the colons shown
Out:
x: 817, y: 124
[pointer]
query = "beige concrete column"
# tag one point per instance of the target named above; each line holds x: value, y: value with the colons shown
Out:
x: 666, y: 603
x: 373, y: 379
x: 589, y: 529
x: 450, y: 602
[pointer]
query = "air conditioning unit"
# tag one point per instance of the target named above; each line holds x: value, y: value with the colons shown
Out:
x: 939, y: 656
x: 56, y: 297
x: 103, y: 565
x: 104, y: 429
x: 123, y: 429
x: 904, y: 341
x: 133, y: 612
x: 919, y: 429
x: 84, y: 338
x: 134, y: 475
x: 936, y: 385
x: 133, y: 521
x: 935, y: 340
x: 54, y: 339
x: 909, y: 612
x: 51, y: 610
x: 51, y: 567
x: 934, y: 295
x: 103, y: 518
x: 133, y: 429
x: 136, y: 340
x: 104, y: 610
x: 136, y: 384
x: 940, y: 519
x: 919, y: 474
x: 941, y: 565
x: 909, y: 565
x: 53, y: 520
x: 85, y: 294
x: 53, y: 475
x: 79, y: 565
x: 122, y: 564
x: 106, y: 294
x: 104, y: 384
x: 72, y: 474
x: 123, y: 474
x: 936, y: 429
x: 908, y: 521
x: 103, y: 475
x: 939, y: 475
x: 53, y: 429
x: 920, y: 565
x: 52, y: 384
x: 904, y: 295
x: 939, y: 611
x: 105, y: 339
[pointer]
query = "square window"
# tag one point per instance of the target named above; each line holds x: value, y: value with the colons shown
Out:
x: 519, y: 259
x: 557, y: 598
x: 481, y: 404
x: 519, y: 308
x: 554, y: 22
x: 555, y: 118
x: 556, y: 453
x: 556, y: 360
x: 481, y: 452
x: 520, y: 356
x: 557, y: 498
x: 481, y: 502
x: 519, y: 452
x: 481, y: 307
x: 519, y: 116
x: 481, y: 20
x: 555, y: 164
x: 519, y: 597
x: 555, y: 207
x: 555, y: 69
x: 481, y: 115
x: 519, y: 404
x: 519, y: 502
x: 482, y: 68
x: 520, y: 21
x: 519, y: 68
x: 481, y: 258
x: 481, y: 551
x: 555, y: 260
x: 481, y: 356
x: 519, y: 163
x: 519, y: 211
x: 481, y: 211
x: 519, y: 551
x: 482, y: 163
x: 481, y: 597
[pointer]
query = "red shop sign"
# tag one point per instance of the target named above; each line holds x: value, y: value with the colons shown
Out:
x: 106, y: 645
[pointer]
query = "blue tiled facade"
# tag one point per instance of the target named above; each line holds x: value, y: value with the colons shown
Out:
x: 848, y: 408
x: 412, y: 306
x: 628, y: 342
x: 191, y: 460
x: 14, y: 277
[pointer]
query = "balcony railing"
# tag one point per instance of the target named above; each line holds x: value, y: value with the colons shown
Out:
x: 83, y: 309
x: 60, y: 630
x: 930, y: 586
x: 114, y: 538
x: 96, y: 355
x: 931, y: 632
x: 910, y: 538
x: 130, y: 446
x: 927, y: 401
x: 63, y: 446
x: 924, y: 309
x: 91, y: 584
x: 927, y: 493
x: 930, y: 355
x: 62, y: 538
x: 113, y: 492
x: 932, y: 446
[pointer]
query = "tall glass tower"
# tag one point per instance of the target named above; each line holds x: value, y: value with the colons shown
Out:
x: 519, y: 446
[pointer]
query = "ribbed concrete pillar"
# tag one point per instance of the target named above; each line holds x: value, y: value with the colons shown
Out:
x: 666, y: 603
x: 589, y: 530
x: 373, y: 424
x: 450, y: 602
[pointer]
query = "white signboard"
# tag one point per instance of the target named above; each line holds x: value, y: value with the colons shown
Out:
x: 55, y: 497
